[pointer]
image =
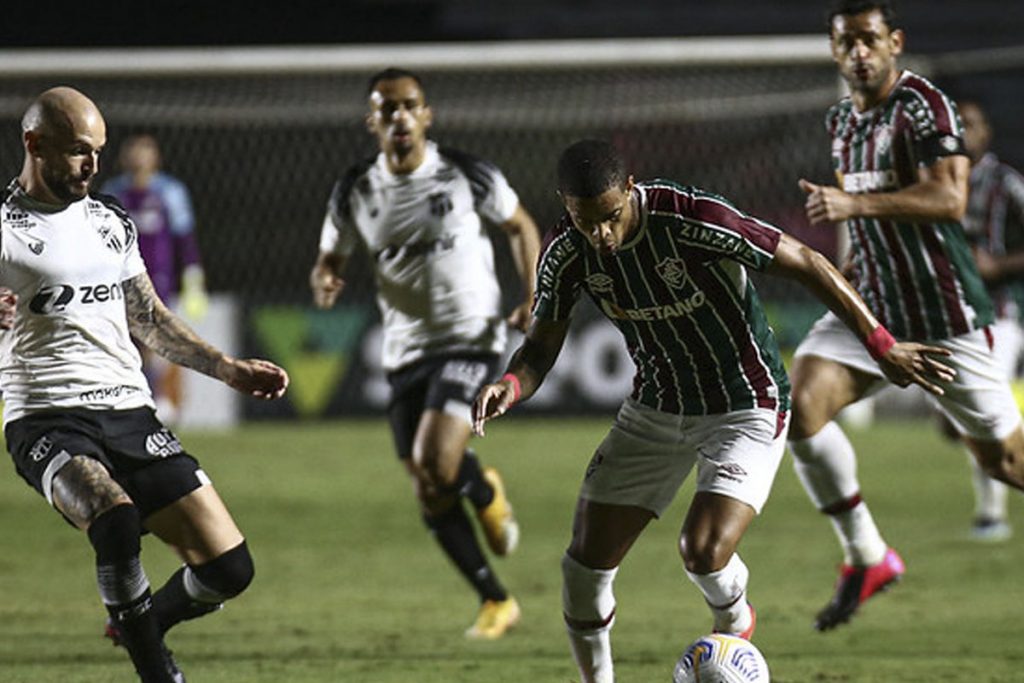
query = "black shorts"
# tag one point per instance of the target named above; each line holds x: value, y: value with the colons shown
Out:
x: 445, y: 383
x: 142, y: 455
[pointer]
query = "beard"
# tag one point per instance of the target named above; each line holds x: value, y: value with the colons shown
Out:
x: 64, y: 187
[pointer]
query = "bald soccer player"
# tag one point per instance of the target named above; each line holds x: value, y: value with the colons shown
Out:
x: 78, y: 413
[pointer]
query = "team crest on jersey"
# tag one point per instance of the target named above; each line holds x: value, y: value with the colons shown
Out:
x: 440, y: 204
x: 108, y: 234
x: 673, y: 271
x: 601, y: 283
x: 36, y: 247
x: 949, y: 143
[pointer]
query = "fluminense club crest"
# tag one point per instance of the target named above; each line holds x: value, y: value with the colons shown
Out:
x: 673, y: 271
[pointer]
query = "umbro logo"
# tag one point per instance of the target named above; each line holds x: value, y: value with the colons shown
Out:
x: 599, y: 282
x: 731, y: 470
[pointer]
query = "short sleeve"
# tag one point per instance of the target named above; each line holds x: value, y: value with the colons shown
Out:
x: 338, y: 233
x: 493, y: 198
x: 559, y: 276
x: 133, y: 264
x: 713, y: 224
x: 934, y: 122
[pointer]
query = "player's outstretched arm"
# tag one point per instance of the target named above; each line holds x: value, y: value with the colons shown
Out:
x: 524, y: 240
x: 526, y: 370
x: 160, y: 330
x: 902, y: 362
x: 325, y: 279
x: 940, y: 194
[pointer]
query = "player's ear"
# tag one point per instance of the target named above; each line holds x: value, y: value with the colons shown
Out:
x: 32, y: 142
x: 428, y: 116
x: 630, y: 184
x: 897, y: 39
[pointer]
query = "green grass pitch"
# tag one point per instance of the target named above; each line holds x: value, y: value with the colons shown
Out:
x: 350, y: 587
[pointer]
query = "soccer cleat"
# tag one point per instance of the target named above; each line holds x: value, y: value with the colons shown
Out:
x: 989, y: 530
x: 748, y: 632
x: 495, y: 619
x: 855, y: 586
x: 497, y: 520
x: 113, y: 633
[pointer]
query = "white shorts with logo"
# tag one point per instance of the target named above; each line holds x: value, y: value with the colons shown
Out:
x: 648, y: 454
x: 978, y: 401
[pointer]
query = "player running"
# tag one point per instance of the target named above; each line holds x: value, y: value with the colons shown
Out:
x: 667, y: 265
x: 417, y: 209
x: 902, y: 189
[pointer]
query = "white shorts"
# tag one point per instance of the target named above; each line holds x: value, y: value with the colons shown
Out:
x: 648, y: 454
x: 1008, y: 345
x: 978, y: 401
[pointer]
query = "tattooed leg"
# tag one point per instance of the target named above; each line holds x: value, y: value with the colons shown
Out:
x: 87, y: 495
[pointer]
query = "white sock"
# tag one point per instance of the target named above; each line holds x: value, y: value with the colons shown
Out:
x: 827, y: 467
x: 989, y: 493
x: 725, y: 591
x: 589, y: 607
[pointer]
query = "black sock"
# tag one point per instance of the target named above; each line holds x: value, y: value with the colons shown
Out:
x: 115, y: 535
x: 453, y: 531
x: 141, y: 636
x: 471, y: 482
x: 173, y: 605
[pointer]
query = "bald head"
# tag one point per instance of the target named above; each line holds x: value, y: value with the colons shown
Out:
x: 60, y: 109
x: 63, y: 132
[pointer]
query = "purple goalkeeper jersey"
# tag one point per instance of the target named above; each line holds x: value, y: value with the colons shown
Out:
x: 162, y: 212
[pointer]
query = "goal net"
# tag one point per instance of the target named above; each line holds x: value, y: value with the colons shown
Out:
x: 260, y: 135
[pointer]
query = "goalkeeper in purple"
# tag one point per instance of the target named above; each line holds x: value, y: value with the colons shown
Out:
x: 902, y: 189
x: 161, y: 208
x: 667, y: 265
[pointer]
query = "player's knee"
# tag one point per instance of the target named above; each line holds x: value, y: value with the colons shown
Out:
x: 116, y: 534
x: 588, y: 602
x: 705, y: 553
x: 228, y: 574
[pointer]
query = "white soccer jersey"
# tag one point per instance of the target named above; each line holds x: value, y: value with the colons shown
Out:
x: 70, y: 346
x: 433, y: 260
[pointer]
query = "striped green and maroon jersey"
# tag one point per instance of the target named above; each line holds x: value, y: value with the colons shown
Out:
x: 919, y: 279
x: 994, y: 222
x: 678, y: 291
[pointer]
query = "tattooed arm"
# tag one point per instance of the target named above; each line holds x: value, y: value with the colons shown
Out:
x: 164, y: 333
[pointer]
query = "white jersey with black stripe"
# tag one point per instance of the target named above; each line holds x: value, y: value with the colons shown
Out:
x: 432, y: 257
x: 70, y: 346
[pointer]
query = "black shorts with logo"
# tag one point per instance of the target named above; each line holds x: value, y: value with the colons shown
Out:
x: 447, y: 383
x: 142, y: 455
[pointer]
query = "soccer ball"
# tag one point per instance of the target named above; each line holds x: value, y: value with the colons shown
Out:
x: 721, y: 658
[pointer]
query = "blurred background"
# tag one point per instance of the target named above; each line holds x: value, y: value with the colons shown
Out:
x: 259, y: 109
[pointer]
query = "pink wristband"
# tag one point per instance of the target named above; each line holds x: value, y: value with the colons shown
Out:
x: 517, y: 388
x: 879, y: 342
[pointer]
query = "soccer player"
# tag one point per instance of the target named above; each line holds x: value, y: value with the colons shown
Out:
x: 902, y: 188
x: 78, y: 414
x: 417, y: 209
x: 161, y: 208
x: 667, y: 265
x: 994, y: 223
